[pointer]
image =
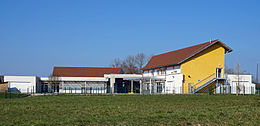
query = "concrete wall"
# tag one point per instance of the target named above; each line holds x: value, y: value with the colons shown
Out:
x: 173, y: 84
x: 32, y: 88
x: 245, y: 81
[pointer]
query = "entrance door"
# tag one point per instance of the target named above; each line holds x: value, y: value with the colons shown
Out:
x: 219, y: 72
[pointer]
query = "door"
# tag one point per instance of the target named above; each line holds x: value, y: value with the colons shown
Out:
x: 219, y: 72
x: 22, y: 87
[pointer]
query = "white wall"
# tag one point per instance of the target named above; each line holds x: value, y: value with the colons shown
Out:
x: 150, y: 74
x: 145, y: 74
x: 177, y: 69
x: 77, y: 78
x: 173, y: 84
x: 32, y: 80
x: 169, y: 70
x: 244, y: 81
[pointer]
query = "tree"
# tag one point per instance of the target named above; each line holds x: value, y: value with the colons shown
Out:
x: 54, y: 82
x: 238, y: 72
x: 141, y: 60
x: 131, y: 64
x: 116, y: 63
x: 229, y: 71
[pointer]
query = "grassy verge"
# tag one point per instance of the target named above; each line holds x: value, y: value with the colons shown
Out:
x: 12, y: 95
x: 131, y: 110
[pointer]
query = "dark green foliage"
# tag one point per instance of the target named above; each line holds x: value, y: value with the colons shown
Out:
x: 131, y: 110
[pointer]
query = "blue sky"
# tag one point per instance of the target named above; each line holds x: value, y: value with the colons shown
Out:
x: 36, y: 35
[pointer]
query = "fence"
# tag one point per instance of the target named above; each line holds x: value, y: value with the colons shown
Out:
x: 90, y: 90
x: 161, y: 89
x: 149, y: 89
x: 226, y: 89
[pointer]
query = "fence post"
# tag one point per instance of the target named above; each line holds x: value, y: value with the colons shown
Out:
x: 224, y: 89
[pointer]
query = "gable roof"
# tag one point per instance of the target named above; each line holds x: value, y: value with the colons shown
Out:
x: 84, y: 71
x: 179, y: 56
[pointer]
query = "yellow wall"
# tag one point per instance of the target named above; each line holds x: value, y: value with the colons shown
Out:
x: 203, y: 65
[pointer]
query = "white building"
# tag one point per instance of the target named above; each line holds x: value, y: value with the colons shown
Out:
x: 237, y: 83
x: 23, y: 84
x: 89, y: 80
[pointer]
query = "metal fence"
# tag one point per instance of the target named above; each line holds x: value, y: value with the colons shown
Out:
x: 226, y: 89
x: 161, y: 89
x: 157, y: 89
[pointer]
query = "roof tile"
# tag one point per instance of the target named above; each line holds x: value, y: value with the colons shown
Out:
x: 84, y: 71
x: 174, y: 57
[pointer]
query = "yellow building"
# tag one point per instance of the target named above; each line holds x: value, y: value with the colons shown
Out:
x: 202, y: 66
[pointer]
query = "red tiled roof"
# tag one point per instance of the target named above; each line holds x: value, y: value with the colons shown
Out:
x: 178, y: 56
x: 84, y: 71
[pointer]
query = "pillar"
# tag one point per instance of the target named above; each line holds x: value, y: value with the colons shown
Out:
x: 154, y: 87
x: 112, y: 82
x: 141, y: 86
x: 132, y: 86
x: 85, y: 91
x: 150, y: 86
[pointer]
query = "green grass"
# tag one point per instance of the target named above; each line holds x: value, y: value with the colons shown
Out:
x: 12, y: 95
x: 131, y: 110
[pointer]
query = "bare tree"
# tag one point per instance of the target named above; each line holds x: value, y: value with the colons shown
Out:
x: 238, y: 88
x: 54, y: 82
x: 229, y: 71
x: 131, y: 64
x: 116, y: 63
x: 141, y: 60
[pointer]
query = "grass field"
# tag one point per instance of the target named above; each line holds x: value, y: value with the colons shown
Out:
x: 131, y: 110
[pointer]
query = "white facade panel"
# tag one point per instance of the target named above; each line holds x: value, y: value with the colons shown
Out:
x: 145, y: 74
x: 244, y: 83
x: 177, y: 69
x: 150, y: 74
x: 77, y: 79
x: 156, y: 72
x: 173, y: 84
x: 23, y: 83
x: 22, y: 87
x: 169, y: 70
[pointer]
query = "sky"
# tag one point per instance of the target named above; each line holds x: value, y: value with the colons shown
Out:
x: 36, y: 35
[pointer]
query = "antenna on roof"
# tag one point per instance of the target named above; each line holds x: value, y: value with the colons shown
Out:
x: 210, y: 40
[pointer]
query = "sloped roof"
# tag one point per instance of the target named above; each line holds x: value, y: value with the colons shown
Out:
x: 84, y: 71
x: 181, y: 55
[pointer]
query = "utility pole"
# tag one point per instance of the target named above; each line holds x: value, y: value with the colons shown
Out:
x: 238, y: 72
x: 257, y: 73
